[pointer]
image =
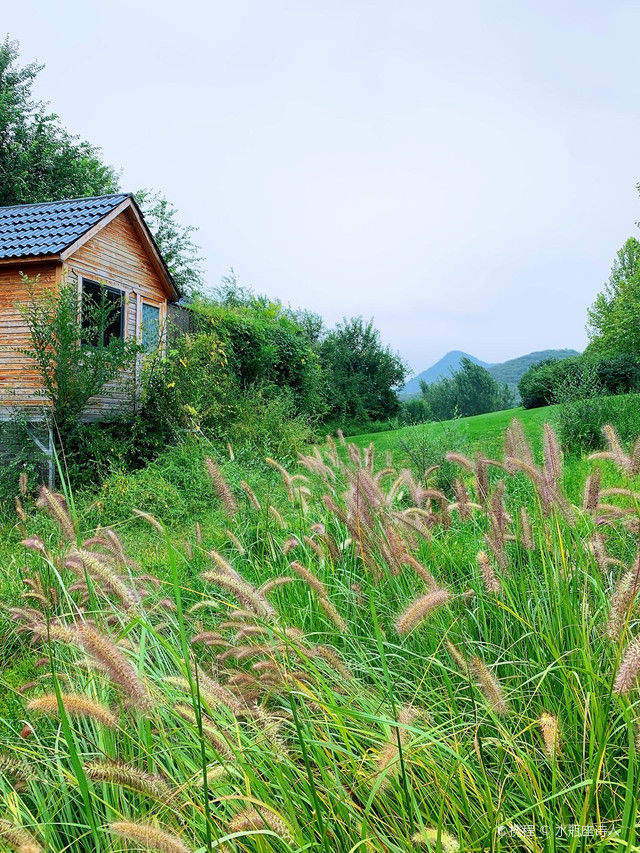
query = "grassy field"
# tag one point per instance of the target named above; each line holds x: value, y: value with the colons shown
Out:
x: 482, y: 431
x: 332, y: 656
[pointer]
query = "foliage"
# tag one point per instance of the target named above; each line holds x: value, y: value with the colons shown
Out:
x: 544, y: 383
x: 20, y: 455
x: 415, y: 410
x: 614, y: 317
x: 362, y: 674
x: 175, y: 241
x: 468, y: 391
x: 238, y: 358
x: 361, y: 374
x: 510, y: 371
x: 581, y: 419
x: 39, y: 159
x: 425, y: 448
x: 71, y: 370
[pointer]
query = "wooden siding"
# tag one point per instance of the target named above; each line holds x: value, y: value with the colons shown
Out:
x: 19, y: 380
x: 114, y: 256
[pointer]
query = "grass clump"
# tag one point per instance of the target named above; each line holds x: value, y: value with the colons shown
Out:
x: 331, y: 657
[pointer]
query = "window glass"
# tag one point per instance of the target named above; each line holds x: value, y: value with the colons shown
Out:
x: 150, y: 327
x: 102, y: 313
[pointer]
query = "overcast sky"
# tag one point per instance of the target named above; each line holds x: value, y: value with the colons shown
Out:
x: 462, y: 172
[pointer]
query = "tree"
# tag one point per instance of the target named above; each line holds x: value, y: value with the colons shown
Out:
x: 471, y: 390
x: 39, y: 159
x: 362, y: 375
x: 614, y: 317
x: 175, y: 241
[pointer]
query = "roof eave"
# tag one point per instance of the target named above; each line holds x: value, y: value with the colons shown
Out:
x: 30, y: 259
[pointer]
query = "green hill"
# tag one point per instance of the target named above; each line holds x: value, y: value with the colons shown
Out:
x: 507, y: 371
x: 511, y: 371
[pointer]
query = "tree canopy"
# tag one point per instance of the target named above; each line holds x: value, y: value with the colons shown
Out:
x: 614, y: 317
x: 471, y: 390
x: 41, y: 161
x: 362, y: 374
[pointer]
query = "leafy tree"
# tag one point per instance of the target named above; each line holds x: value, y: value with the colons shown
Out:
x: 544, y: 383
x: 362, y: 375
x: 471, y: 390
x: 174, y: 240
x: 39, y: 159
x: 614, y: 317
x: 232, y: 294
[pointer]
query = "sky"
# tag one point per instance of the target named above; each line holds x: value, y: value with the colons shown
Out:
x: 461, y: 172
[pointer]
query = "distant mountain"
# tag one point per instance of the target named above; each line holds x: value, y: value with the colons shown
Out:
x: 451, y: 361
x: 511, y: 371
x: 508, y: 371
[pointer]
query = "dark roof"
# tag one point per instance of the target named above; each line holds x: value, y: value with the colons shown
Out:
x: 29, y: 230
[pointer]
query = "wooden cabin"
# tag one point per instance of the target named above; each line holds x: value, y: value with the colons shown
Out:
x: 100, y: 242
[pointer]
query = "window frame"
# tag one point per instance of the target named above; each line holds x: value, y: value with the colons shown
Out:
x: 123, y: 306
x: 161, y: 306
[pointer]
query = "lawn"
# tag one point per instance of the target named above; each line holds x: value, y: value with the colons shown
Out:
x: 484, y: 432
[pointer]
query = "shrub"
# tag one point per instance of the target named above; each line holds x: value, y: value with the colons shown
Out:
x: 429, y: 446
x: 72, y: 351
x: 415, y: 410
x: 584, y: 410
x: 267, y: 424
x: 542, y: 384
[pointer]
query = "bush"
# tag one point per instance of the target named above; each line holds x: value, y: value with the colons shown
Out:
x: 542, y: 384
x: 415, y: 410
x: 428, y: 447
x: 581, y: 420
x: 268, y: 425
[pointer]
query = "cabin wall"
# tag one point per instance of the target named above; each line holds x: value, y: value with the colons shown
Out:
x: 19, y: 380
x: 116, y: 257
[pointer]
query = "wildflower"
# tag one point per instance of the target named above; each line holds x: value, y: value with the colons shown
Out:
x: 488, y: 685
x: 56, y: 506
x: 19, y: 838
x: 114, y: 663
x: 129, y: 776
x: 429, y: 837
x: 246, y: 594
x: 246, y: 488
x: 397, y: 740
x: 488, y: 574
x: 252, y: 819
x: 622, y: 601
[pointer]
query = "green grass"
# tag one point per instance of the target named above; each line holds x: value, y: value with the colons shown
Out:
x: 405, y: 741
x: 481, y: 431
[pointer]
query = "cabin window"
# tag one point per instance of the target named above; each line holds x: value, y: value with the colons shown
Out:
x: 99, y: 328
x: 150, y: 326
